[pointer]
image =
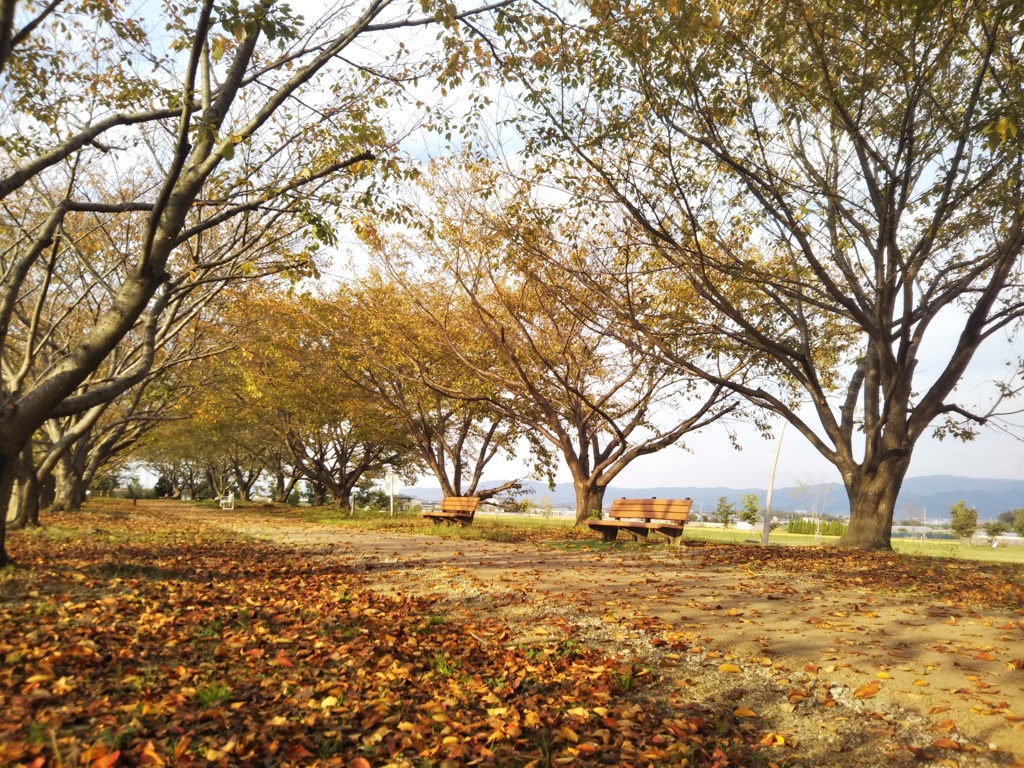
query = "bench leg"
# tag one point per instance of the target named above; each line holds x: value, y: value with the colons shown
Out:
x: 609, y: 534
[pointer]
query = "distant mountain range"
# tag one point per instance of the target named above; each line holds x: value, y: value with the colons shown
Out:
x: 931, y: 496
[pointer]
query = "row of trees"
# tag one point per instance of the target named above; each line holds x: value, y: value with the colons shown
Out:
x: 142, y: 175
x: 424, y: 376
x: 770, y: 213
x: 965, y: 522
x: 827, y: 187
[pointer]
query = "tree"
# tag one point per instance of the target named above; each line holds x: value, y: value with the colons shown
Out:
x: 79, y: 446
x: 993, y: 530
x: 750, y: 505
x: 291, y: 379
x: 724, y: 511
x: 386, y: 344
x: 830, y: 178
x: 163, y: 488
x: 965, y: 521
x: 1013, y: 520
x: 540, y: 356
x: 235, y: 115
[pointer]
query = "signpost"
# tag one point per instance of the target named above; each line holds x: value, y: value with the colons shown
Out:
x: 389, y: 485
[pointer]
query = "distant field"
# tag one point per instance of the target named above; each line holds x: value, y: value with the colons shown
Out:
x: 907, y: 546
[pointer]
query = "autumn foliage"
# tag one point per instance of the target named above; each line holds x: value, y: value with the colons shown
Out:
x: 127, y: 644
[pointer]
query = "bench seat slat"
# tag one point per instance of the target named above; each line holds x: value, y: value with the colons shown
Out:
x: 454, y: 509
x: 459, y: 504
x: 681, y: 517
x: 650, y: 507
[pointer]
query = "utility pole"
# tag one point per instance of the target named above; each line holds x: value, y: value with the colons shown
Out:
x: 771, y: 486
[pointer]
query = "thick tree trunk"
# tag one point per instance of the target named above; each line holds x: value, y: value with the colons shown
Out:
x: 25, y: 498
x: 318, y: 493
x: 70, y: 490
x: 47, y: 491
x: 8, y: 478
x: 589, y: 499
x: 872, y: 504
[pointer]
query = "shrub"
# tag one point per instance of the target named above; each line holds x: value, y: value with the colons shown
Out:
x: 828, y: 527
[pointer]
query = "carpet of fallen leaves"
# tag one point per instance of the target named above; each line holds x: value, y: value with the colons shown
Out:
x: 127, y: 641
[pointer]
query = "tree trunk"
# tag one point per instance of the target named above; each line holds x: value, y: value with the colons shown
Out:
x: 217, y: 479
x: 873, y: 503
x: 588, y: 500
x: 318, y: 493
x: 47, y: 491
x: 284, y: 484
x: 8, y: 478
x: 245, y: 481
x: 70, y: 493
x: 25, y: 498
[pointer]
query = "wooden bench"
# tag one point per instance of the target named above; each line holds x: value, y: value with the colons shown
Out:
x: 454, y: 509
x: 640, y: 516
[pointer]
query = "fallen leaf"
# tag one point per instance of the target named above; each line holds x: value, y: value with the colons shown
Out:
x: 107, y: 760
x: 149, y: 756
x: 867, y: 691
x: 569, y: 734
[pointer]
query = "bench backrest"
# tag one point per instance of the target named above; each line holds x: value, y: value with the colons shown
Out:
x: 652, y: 509
x: 459, y: 503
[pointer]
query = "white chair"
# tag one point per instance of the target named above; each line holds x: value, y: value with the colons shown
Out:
x: 228, y: 502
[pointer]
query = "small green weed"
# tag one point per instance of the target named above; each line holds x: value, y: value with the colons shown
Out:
x: 626, y: 676
x: 442, y: 664
x: 329, y: 748
x: 243, y: 618
x: 214, y: 693
x: 209, y: 630
x: 569, y: 649
x: 35, y: 733
x: 430, y: 621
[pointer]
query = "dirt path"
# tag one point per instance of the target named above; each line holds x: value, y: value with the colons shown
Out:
x: 845, y: 678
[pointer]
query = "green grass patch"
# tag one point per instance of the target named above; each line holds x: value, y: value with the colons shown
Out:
x: 499, y: 528
x: 957, y: 550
